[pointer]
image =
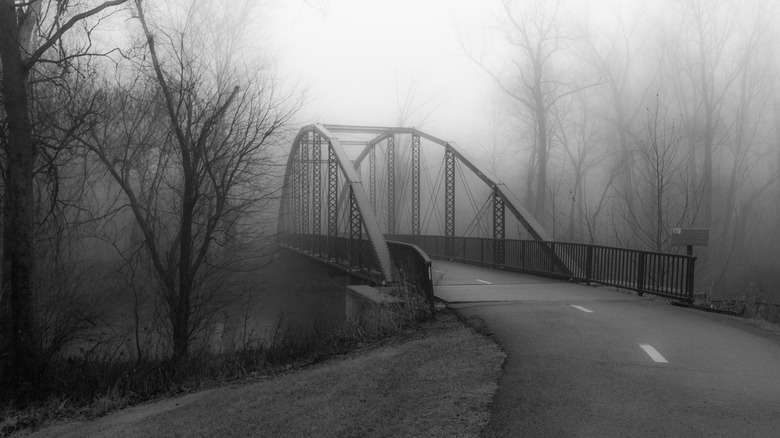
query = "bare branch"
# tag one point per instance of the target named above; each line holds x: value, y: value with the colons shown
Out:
x: 49, y: 42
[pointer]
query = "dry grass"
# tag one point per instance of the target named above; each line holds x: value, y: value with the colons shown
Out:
x: 436, y: 381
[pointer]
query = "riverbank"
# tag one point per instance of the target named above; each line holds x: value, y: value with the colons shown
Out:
x: 436, y: 380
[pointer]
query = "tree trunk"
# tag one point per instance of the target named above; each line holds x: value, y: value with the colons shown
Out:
x: 181, y: 328
x: 709, y: 138
x: 529, y: 180
x: 541, y: 152
x: 18, y: 211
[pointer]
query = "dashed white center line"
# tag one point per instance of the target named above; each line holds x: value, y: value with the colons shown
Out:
x: 653, y: 353
x: 586, y: 310
x: 483, y: 281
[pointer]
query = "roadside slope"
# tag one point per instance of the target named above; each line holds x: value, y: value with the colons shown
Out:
x: 439, y: 383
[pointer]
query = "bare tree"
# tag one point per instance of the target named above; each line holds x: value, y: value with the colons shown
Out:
x: 579, y: 135
x: 195, y: 161
x: 32, y: 35
x: 536, y: 33
x: 494, y: 143
x: 615, y: 51
x: 664, y: 199
x: 702, y: 74
x: 412, y: 110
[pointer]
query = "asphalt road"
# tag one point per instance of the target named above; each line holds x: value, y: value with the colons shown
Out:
x: 593, y: 362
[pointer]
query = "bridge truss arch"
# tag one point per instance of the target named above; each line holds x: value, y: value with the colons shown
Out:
x: 331, y: 209
x: 311, y: 187
x: 365, y: 199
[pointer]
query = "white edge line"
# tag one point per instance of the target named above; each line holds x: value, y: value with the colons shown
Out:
x: 483, y: 281
x: 581, y: 308
x: 653, y: 353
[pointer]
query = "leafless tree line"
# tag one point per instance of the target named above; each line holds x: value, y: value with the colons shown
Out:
x: 646, y: 117
x: 152, y: 157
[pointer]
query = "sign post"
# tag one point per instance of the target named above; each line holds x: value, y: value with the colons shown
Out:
x: 690, y: 237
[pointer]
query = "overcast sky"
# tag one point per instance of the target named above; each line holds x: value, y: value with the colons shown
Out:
x: 357, y: 55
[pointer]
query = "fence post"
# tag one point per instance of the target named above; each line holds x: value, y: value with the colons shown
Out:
x: 588, y: 264
x: 689, y: 279
x: 640, y: 281
x: 522, y: 255
x: 553, y: 255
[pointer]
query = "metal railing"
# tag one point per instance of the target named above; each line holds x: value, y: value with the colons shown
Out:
x: 663, y: 274
x: 357, y: 257
x: 352, y: 255
x: 414, y: 267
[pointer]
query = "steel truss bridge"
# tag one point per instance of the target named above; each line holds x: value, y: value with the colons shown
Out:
x: 379, y: 202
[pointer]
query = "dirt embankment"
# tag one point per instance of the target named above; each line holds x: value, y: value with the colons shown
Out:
x: 436, y: 381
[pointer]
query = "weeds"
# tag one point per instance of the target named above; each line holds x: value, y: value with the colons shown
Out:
x: 94, y: 385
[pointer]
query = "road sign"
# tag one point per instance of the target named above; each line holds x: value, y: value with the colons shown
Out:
x: 691, y: 236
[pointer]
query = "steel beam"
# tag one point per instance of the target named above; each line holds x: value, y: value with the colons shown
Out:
x: 415, y: 184
x: 375, y: 236
x: 391, y: 185
x: 296, y: 192
x: 372, y: 179
x: 316, y: 187
x: 449, y: 199
x: 305, y: 187
x: 355, y: 231
x: 498, y: 228
x: 366, y: 129
x: 529, y: 222
x: 355, y: 220
x: 333, y: 205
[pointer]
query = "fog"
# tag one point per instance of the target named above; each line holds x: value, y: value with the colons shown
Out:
x: 655, y: 115
x: 361, y: 61
x: 147, y: 172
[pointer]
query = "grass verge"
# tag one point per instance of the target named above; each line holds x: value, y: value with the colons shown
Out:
x: 435, y: 380
x: 93, y: 385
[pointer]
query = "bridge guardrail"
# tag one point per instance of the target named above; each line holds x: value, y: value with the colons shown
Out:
x: 414, y: 265
x: 662, y: 274
x: 357, y: 257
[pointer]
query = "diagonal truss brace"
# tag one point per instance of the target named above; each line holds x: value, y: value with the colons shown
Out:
x: 370, y: 224
x: 515, y: 206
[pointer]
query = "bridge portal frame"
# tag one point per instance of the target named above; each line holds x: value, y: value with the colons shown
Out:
x: 362, y: 206
x: 361, y: 211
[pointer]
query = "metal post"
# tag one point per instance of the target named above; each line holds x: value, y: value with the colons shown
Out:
x: 333, y: 218
x: 296, y: 213
x: 640, y: 272
x: 689, y: 282
x: 305, y: 199
x: 316, y: 189
x: 415, y: 184
x: 355, y: 231
x: 372, y: 178
x: 391, y: 184
x: 522, y: 257
x: 449, y: 200
x: 589, y: 264
x: 498, y: 228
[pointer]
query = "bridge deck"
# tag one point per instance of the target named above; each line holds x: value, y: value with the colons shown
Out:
x: 586, y: 361
x: 461, y: 283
